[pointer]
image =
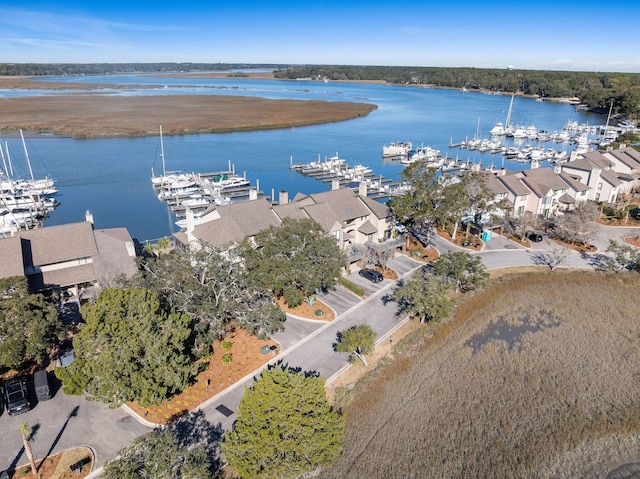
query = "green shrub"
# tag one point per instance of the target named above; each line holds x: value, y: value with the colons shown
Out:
x: 226, y: 344
x: 354, y: 288
x: 226, y: 359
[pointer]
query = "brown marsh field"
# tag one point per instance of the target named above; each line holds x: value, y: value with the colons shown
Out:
x: 93, y: 114
x: 537, y: 376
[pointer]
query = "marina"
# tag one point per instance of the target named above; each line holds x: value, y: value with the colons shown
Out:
x: 111, y: 176
x: 336, y: 171
x: 24, y: 202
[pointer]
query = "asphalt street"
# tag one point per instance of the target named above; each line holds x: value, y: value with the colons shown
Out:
x: 69, y: 421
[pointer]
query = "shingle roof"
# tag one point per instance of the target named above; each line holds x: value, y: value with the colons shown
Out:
x: 513, y: 184
x: 367, y: 228
x: 542, y: 181
x: 113, y: 259
x: 626, y: 157
x: 599, y: 159
x: 343, y: 202
x: 573, y: 183
x: 56, y: 244
x: 610, y: 177
x: 84, y: 273
x: 11, y: 257
x: 381, y: 211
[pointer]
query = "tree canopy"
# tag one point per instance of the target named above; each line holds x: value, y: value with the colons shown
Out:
x: 285, y: 427
x: 158, y: 455
x: 425, y: 297
x: 130, y: 348
x: 213, y: 290
x: 461, y: 269
x: 28, y: 324
x: 293, y: 260
x: 358, y: 341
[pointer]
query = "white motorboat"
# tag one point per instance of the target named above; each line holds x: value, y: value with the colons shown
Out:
x: 400, y: 148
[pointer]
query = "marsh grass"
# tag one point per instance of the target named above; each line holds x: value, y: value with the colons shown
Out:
x: 563, y: 403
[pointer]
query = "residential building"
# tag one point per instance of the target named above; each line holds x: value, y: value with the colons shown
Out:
x: 596, y: 171
x: 351, y: 218
x: 68, y: 258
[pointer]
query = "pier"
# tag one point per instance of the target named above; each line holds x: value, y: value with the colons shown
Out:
x: 335, y: 170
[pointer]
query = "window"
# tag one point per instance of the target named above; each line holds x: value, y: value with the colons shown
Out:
x: 547, y: 200
x: 520, y: 210
x: 583, y: 192
x: 597, y: 196
x: 599, y: 186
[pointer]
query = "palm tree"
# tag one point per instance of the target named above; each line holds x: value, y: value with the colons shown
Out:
x: 24, y: 429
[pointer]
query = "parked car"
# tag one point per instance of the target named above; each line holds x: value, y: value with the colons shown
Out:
x: 635, y: 213
x: 535, y: 237
x: 41, y: 385
x: 371, y: 275
x: 15, y: 394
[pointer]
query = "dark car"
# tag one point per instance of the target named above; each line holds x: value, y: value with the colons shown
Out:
x: 635, y: 213
x: 371, y: 275
x: 15, y: 395
x: 535, y: 237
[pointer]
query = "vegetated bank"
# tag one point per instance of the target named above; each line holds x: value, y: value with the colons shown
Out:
x: 86, y: 115
x: 536, y: 377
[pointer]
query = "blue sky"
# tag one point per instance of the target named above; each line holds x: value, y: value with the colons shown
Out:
x: 543, y: 35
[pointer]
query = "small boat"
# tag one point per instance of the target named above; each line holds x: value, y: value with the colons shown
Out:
x: 400, y: 148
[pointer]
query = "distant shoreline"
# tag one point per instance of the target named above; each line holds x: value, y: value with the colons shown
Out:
x: 92, y: 114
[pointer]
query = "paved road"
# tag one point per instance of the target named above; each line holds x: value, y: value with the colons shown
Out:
x: 63, y: 422
x: 68, y: 421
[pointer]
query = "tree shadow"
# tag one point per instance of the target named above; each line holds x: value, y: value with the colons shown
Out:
x: 32, y: 434
x: 73, y: 413
x: 194, y: 430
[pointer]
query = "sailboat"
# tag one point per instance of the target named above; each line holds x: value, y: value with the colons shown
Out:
x: 502, y: 129
x: 169, y: 178
x: 30, y: 186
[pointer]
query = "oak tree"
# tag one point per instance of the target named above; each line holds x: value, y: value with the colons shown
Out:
x: 29, y: 325
x: 293, y: 260
x: 129, y: 348
x: 358, y: 341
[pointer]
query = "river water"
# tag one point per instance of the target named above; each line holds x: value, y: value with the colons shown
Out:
x: 111, y: 177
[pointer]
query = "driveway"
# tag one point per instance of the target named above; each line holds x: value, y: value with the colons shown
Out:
x: 65, y: 422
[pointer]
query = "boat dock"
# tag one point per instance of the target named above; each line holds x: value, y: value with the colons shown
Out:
x: 335, y: 170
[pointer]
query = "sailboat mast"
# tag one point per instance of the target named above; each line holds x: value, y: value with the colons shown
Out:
x: 6, y: 145
x: 509, y: 112
x: 26, y: 155
x: 164, y: 171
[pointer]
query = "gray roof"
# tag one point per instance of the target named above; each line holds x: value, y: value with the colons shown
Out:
x: 610, y: 177
x: 380, y: 210
x: 113, y: 259
x: 84, y: 273
x: 541, y: 180
x: 237, y: 221
x: 573, y: 183
x: 514, y: 185
x: 627, y: 157
x: 57, y: 244
x: 344, y: 202
x: 599, y: 159
x: 11, y: 257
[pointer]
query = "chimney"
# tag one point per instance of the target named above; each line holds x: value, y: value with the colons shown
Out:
x: 283, y: 198
x: 88, y: 217
x: 335, y: 184
x: 191, y: 220
x: 362, y: 189
x: 253, y: 194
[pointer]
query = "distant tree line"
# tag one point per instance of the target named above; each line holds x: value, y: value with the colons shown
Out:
x: 596, y: 90
x: 43, y: 69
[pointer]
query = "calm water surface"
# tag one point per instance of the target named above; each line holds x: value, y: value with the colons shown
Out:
x: 111, y: 177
